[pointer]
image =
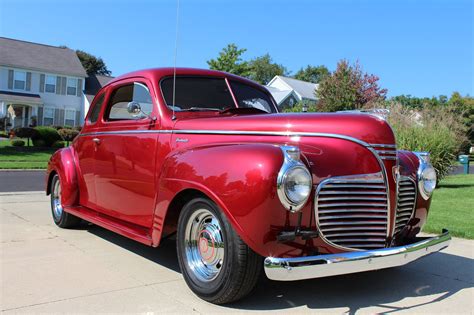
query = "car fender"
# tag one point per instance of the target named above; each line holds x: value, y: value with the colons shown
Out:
x: 62, y: 163
x: 239, y: 178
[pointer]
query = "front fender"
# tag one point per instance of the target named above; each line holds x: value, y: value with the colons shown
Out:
x: 241, y: 180
x: 62, y: 163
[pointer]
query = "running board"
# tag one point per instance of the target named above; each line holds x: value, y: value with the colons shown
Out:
x: 133, y: 231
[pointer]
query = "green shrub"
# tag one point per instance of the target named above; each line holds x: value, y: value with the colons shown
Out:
x: 18, y: 143
x: 68, y: 134
x: 432, y: 129
x: 298, y: 108
x: 39, y: 143
x: 58, y: 144
x: 47, y: 134
x: 25, y: 132
x: 3, y: 134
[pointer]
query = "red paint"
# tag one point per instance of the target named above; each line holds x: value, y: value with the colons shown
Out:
x: 128, y: 181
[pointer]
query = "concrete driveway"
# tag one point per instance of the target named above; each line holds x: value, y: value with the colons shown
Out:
x: 45, y: 269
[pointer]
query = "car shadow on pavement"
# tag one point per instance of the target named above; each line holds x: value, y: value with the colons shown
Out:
x: 165, y: 254
x: 432, y: 279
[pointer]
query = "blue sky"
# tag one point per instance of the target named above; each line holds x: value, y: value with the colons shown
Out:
x: 422, y: 48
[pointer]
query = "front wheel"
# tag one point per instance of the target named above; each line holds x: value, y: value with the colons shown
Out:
x: 216, y: 264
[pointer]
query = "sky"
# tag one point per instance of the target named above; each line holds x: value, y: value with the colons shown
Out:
x: 421, y: 48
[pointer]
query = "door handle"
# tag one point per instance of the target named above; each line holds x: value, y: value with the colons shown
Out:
x: 96, y: 140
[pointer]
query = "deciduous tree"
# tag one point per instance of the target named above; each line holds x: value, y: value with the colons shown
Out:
x: 314, y: 74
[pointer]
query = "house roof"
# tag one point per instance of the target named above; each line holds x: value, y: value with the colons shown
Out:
x: 14, y: 97
x: 39, y: 57
x: 94, y: 83
x: 302, y: 88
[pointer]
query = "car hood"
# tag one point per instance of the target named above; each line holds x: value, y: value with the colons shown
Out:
x: 365, y: 127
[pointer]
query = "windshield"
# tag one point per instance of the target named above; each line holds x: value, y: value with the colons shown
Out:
x: 208, y: 94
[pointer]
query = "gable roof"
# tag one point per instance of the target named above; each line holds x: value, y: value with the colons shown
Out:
x: 39, y: 57
x: 94, y: 83
x: 279, y: 95
x: 304, y: 89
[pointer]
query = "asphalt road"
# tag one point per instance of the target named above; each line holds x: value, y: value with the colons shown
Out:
x: 11, y: 181
x: 16, y: 181
x: 45, y: 269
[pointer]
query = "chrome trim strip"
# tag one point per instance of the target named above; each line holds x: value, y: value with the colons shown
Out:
x: 383, y: 145
x: 309, y: 267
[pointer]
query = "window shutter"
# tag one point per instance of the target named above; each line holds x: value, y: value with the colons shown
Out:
x: 42, y: 78
x: 56, y: 117
x: 78, y: 118
x: 58, y: 85
x: 10, y: 79
x: 28, y: 81
x: 61, y: 117
x: 63, y: 85
x: 79, y: 87
x: 40, y: 115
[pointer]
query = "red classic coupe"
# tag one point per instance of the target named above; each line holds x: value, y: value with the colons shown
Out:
x: 206, y: 155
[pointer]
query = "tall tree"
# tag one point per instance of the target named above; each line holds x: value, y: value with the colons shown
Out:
x: 349, y: 88
x: 230, y: 60
x: 314, y: 74
x: 92, y: 64
x: 263, y: 69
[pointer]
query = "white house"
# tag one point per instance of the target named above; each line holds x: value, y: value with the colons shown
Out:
x: 40, y: 84
x: 288, y: 91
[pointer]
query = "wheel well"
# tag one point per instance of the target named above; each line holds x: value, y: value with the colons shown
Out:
x: 175, y: 207
x: 50, y: 179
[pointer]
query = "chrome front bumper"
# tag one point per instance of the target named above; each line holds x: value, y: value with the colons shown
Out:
x: 299, y: 268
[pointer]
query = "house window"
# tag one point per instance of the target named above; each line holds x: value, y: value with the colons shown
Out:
x: 19, y: 80
x: 70, y: 117
x: 71, y: 86
x: 48, y: 116
x: 50, y: 84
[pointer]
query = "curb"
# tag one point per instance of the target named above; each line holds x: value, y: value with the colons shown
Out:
x: 14, y: 193
x: 22, y: 170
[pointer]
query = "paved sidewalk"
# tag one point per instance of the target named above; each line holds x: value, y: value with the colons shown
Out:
x: 45, y: 269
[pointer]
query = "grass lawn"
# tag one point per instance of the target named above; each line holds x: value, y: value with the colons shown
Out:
x: 23, y: 157
x: 452, y: 207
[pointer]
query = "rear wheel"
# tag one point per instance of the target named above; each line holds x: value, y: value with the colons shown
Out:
x: 216, y: 264
x: 60, y: 217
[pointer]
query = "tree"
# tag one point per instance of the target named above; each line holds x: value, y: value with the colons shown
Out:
x: 92, y: 64
x: 230, y: 61
x: 349, y: 88
x: 263, y: 69
x: 314, y: 74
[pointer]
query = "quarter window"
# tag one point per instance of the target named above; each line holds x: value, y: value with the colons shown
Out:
x: 248, y: 96
x: 48, y: 116
x: 71, y: 86
x: 19, y: 80
x: 70, y: 117
x: 96, y: 109
x: 50, y: 84
x: 122, y: 96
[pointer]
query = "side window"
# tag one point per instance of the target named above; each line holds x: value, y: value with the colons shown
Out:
x: 96, y: 109
x: 136, y: 92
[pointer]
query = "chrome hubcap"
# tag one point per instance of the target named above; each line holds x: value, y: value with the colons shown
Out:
x: 204, y: 245
x: 57, y: 207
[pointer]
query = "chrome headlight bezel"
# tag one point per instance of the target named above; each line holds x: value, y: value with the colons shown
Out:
x: 291, y: 163
x: 426, y: 175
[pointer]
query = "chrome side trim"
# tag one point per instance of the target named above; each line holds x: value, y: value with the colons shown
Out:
x: 310, y: 267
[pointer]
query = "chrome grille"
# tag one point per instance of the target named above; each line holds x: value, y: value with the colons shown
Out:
x: 405, y: 202
x: 385, y: 151
x: 352, y: 211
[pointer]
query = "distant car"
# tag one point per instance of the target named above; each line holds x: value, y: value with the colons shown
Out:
x: 207, y: 156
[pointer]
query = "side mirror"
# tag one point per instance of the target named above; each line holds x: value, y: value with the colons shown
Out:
x: 134, y: 108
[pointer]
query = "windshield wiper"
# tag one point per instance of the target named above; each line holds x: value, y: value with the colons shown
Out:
x: 199, y: 109
x: 242, y: 109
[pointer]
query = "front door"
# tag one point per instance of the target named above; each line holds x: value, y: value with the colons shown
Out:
x: 125, y: 156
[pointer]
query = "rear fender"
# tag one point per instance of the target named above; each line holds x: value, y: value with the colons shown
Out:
x: 62, y: 163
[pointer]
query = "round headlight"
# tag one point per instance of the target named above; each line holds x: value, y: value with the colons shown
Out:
x: 297, y: 185
x: 427, y: 180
